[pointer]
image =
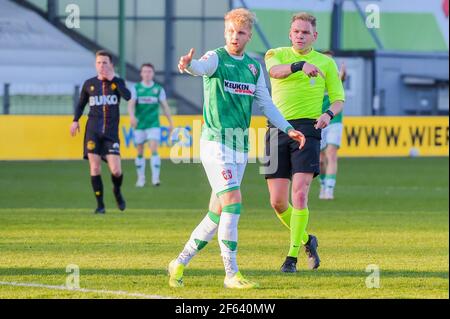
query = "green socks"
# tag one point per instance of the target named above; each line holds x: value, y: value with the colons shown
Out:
x: 299, y: 221
x: 322, y: 178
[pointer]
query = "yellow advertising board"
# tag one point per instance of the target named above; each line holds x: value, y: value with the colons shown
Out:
x: 395, y: 136
x: 48, y: 138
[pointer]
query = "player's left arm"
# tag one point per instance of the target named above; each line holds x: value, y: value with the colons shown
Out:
x: 266, y: 106
x: 132, y: 107
x: 335, y: 92
x: 122, y: 88
x: 166, y: 108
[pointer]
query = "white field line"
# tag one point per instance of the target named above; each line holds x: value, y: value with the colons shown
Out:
x: 84, y: 290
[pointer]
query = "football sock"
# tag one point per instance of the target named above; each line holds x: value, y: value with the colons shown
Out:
x: 299, y: 221
x: 228, y: 237
x: 97, y: 186
x: 330, y: 181
x: 285, y: 218
x: 322, y: 178
x: 117, y: 182
x: 140, y: 166
x: 155, y: 164
x: 200, y: 237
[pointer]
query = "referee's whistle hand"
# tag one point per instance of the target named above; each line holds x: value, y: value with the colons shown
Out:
x: 297, y: 136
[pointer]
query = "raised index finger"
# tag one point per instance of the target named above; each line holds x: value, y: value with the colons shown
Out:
x: 191, y: 53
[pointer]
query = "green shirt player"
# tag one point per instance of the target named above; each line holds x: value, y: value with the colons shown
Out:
x: 146, y: 97
x: 329, y: 146
x: 299, y: 76
x: 232, y: 82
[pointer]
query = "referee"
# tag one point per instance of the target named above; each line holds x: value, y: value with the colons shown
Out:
x: 300, y: 76
x: 101, y: 140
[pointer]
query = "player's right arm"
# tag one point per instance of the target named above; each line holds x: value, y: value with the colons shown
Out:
x: 281, y: 71
x: 82, y: 101
x: 132, y: 107
x: 206, y: 66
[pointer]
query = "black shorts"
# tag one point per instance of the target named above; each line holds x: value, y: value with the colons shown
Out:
x: 285, y: 158
x: 100, y: 144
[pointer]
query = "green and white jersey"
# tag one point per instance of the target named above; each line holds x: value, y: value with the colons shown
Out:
x: 299, y: 96
x: 231, y: 84
x: 326, y: 105
x: 147, y: 104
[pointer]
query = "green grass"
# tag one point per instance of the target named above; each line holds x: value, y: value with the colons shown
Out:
x: 388, y: 212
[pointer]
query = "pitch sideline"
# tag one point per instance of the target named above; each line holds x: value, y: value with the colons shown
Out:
x: 84, y: 290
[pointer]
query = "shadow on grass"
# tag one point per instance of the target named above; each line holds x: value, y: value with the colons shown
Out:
x: 321, y: 273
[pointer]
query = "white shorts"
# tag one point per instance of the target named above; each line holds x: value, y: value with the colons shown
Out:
x: 142, y: 136
x: 223, y: 166
x: 332, y: 134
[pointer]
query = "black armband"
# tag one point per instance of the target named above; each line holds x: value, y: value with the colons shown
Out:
x: 330, y: 113
x: 297, y: 66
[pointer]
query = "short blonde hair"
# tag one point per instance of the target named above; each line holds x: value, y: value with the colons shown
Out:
x: 304, y: 16
x: 241, y: 17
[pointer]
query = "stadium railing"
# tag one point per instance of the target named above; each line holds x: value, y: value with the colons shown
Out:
x: 46, y: 99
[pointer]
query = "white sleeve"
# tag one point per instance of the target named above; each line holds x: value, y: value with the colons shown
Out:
x: 133, y: 93
x: 162, y: 95
x: 266, y: 106
x: 207, y: 65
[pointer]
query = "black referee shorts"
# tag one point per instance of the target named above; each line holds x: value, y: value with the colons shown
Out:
x: 283, y: 158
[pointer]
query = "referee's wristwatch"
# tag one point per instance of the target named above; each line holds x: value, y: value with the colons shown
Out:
x: 330, y: 113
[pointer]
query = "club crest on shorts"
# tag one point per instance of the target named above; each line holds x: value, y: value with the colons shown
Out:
x: 90, y: 145
x: 227, y: 175
x: 116, y: 146
x: 252, y: 68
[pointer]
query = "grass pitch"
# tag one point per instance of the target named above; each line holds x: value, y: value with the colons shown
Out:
x: 392, y: 213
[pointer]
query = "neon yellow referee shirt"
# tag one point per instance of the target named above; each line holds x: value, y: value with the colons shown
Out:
x: 298, y: 96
